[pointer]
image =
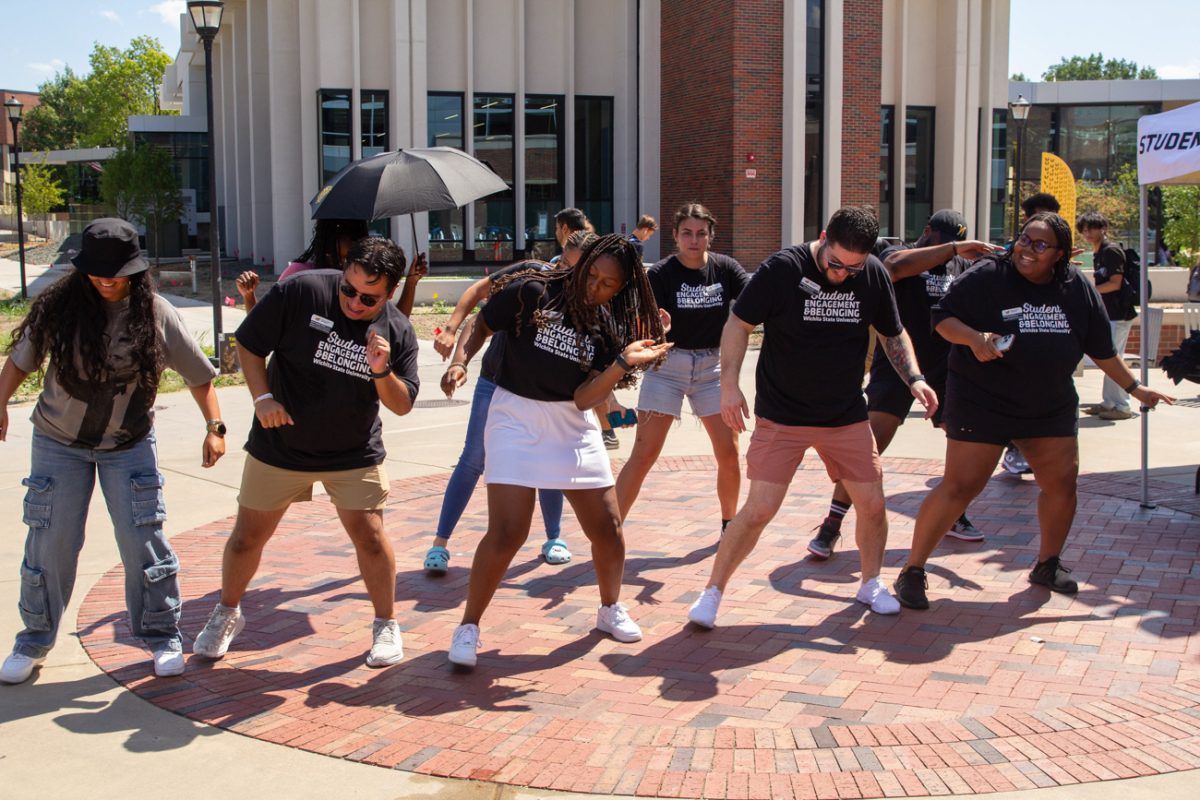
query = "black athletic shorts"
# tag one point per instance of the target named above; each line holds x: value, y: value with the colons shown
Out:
x: 967, y: 422
x: 886, y: 392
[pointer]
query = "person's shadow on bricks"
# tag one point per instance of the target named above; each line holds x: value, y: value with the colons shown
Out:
x: 150, y: 730
x: 428, y: 686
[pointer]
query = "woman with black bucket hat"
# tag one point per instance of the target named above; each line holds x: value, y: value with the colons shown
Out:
x: 108, y: 337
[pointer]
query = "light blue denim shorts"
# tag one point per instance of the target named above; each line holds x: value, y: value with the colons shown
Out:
x: 694, y: 374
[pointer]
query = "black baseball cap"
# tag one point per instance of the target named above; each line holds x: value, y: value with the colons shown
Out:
x: 949, y: 223
x: 110, y: 250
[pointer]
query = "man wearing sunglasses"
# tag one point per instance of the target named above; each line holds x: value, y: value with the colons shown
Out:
x: 338, y: 350
x: 817, y: 303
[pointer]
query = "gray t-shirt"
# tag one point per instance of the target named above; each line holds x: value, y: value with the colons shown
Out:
x: 119, y: 414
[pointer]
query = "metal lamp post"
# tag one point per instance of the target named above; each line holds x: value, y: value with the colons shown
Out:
x: 206, y: 19
x: 13, y: 106
x: 1019, y: 109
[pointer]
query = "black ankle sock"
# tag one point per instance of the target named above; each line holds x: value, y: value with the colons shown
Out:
x: 837, y: 510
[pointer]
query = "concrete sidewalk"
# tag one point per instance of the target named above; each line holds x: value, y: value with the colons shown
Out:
x: 107, y: 743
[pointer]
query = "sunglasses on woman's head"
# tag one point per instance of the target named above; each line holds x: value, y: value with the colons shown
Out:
x: 1036, y: 245
x: 368, y: 300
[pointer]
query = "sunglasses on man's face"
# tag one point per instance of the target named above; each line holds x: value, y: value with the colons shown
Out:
x: 368, y: 300
x: 849, y: 269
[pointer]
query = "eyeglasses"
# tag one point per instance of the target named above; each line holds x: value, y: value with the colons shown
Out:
x: 849, y: 269
x: 368, y: 300
x: 1036, y: 245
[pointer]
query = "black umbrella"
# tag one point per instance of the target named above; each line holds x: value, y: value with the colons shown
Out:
x: 405, y: 182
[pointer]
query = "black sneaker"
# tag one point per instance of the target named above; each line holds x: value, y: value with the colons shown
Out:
x: 1053, y: 575
x: 822, y: 546
x: 910, y: 588
x: 611, y: 442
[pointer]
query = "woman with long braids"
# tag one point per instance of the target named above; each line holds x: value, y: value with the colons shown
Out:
x: 572, y: 336
x: 108, y: 337
x: 1017, y: 324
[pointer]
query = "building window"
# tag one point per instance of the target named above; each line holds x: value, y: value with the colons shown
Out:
x: 373, y: 113
x: 495, y: 222
x: 998, y: 188
x: 886, y: 131
x: 594, y: 160
x: 814, y: 112
x: 445, y: 120
x: 918, y: 170
x: 333, y: 131
x: 543, y: 172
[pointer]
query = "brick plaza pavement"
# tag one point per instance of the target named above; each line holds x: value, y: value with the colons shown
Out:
x: 798, y: 692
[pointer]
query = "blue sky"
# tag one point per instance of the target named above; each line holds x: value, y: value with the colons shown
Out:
x: 1158, y: 33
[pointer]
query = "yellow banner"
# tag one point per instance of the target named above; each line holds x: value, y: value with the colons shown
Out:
x: 1058, y: 181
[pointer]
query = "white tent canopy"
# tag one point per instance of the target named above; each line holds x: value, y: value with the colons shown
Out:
x: 1168, y: 153
x: 1169, y: 146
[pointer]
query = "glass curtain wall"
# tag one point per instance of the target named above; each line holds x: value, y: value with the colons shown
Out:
x: 333, y: 131
x: 594, y: 160
x: 445, y: 123
x: 918, y: 170
x: 495, y: 222
x: 543, y: 172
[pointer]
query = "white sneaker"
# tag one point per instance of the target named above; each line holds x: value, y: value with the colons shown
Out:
x: 18, y: 667
x: 874, y: 594
x: 704, y: 611
x: 386, y: 647
x: 168, y: 662
x: 614, y: 620
x: 223, y: 625
x: 464, y: 645
x: 1014, y: 463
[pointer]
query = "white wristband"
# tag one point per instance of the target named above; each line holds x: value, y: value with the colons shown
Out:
x: 263, y: 396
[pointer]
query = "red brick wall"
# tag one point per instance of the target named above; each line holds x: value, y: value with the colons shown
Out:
x: 861, y: 97
x: 722, y: 100
x: 1169, y: 339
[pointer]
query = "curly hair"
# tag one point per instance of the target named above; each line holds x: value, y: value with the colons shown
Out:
x: 322, y: 251
x: 67, y: 322
x: 630, y: 315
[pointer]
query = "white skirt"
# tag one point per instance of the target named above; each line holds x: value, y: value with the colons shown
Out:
x: 543, y: 445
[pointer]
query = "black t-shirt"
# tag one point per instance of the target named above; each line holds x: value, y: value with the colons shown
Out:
x: 541, y: 363
x: 810, y: 369
x: 915, y: 296
x: 490, y: 365
x: 318, y: 371
x: 698, y: 300
x: 1054, y: 325
x: 1108, y: 262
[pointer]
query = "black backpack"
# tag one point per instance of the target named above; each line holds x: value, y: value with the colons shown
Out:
x: 1131, y: 289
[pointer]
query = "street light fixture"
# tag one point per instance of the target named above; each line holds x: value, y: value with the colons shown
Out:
x: 13, y: 106
x: 206, y: 19
x: 1019, y: 109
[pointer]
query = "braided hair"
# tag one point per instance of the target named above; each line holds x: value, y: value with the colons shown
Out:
x: 67, y: 323
x: 1063, y: 238
x: 630, y: 315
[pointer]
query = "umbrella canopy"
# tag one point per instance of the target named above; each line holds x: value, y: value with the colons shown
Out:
x: 405, y: 182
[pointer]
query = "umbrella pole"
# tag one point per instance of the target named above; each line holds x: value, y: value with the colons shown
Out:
x: 1142, y: 345
x: 416, y: 247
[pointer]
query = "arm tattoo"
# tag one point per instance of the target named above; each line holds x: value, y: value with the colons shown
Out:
x: 899, y: 351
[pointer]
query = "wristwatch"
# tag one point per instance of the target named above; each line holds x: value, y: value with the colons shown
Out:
x: 914, y: 378
x: 216, y: 426
x: 622, y: 363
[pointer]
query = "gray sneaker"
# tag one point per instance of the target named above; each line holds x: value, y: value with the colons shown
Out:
x: 386, y: 647
x: 222, y: 626
x: 822, y: 544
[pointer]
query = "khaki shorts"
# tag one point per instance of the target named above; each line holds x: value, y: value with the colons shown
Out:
x: 268, y: 488
x: 849, y: 452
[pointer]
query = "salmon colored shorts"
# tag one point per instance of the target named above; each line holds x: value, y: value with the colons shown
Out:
x: 848, y: 452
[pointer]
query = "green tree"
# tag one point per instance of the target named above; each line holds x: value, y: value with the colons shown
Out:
x: 1181, y: 207
x: 93, y: 111
x: 41, y: 192
x: 1117, y: 200
x: 1018, y: 76
x: 140, y: 183
x: 1096, y: 68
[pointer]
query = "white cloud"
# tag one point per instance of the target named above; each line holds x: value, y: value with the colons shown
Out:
x: 111, y: 16
x: 1188, y: 69
x: 169, y: 11
x: 53, y: 66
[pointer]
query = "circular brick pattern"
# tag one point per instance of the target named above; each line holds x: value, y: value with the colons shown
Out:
x: 797, y: 692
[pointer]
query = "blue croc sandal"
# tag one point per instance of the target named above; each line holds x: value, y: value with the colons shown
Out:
x: 555, y: 552
x: 437, y: 560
